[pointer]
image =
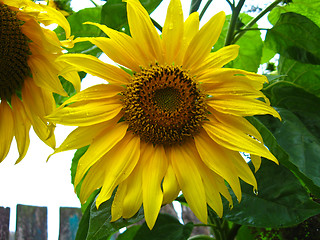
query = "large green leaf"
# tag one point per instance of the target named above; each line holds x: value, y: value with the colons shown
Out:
x: 114, y: 13
x: 100, y: 226
x: 277, y: 150
x: 299, y: 132
x: 129, y: 233
x: 250, y: 43
x: 295, y: 36
x: 304, y: 75
x: 308, y: 8
x: 281, y: 200
x: 167, y: 227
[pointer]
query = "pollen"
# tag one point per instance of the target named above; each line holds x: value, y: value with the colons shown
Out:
x: 14, y: 52
x: 164, y: 105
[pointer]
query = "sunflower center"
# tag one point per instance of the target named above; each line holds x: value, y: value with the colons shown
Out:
x: 168, y: 99
x: 14, y: 51
x: 163, y: 105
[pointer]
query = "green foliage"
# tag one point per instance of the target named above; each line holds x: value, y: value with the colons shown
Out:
x: 281, y: 200
x: 251, y: 45
x: 100, y: 226
x: 167, y: 227
x: 295, y: 36
x: 306, y: 76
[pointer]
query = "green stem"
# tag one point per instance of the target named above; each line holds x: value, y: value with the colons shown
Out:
x: 256, y: 19
x: 231, y: 4
x: 234, y: 17
x: 205, y: 9
x: 156, y: 24
x: 233, y: 231
x: 96, y: 5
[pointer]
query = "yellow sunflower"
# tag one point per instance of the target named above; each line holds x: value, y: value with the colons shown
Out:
x: 175, y: 124
x: 28, y: 74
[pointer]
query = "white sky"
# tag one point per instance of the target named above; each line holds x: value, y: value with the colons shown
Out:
x: 36, y: 182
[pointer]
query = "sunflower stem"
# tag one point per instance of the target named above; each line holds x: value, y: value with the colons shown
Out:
x: 205, y: 9
x: 233, y: 231
x: 230, y: 4
x: 233, y: 23
x: 96, y: 5
x: 156, y: 24
x: 239, y: 34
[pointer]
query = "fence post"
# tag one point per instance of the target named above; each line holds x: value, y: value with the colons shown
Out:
x: 4, y: 223
x: 69, y: 222
x: 31, y: 223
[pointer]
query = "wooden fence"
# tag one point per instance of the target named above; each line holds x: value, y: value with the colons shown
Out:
x: 31, y: 223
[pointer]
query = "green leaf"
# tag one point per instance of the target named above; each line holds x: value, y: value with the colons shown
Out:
x: 129, y: 233
x: 278, y: 151
x: 84, y: 225
x: 245, y: 233
x: 299, y: 132
x: 100, y: 226
x: 167, y: 227
x: 295, y: 36
x: 250, y: 43
x: 308, y: 8
x: 304, y: 75
x: 281, y: 200
x: 114, y: 13
x: 78, y: 29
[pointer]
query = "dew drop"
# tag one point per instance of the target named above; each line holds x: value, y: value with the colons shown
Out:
x: 255, y: 191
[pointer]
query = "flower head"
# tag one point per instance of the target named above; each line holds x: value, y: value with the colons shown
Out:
x: 28, y: 74
x: 176, y: 124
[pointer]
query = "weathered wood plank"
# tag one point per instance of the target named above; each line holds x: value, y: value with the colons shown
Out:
x: 4, y: 223
x: 69, y: 222
x: 31, y: 223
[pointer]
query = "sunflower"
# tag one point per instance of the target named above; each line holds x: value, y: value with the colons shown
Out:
x: 175, y: 124
x: 28, y: 75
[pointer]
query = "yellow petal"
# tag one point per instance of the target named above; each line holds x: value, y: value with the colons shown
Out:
x: 120, y: 47
x: 189, y: 179
x: 45, y: 75
x: 37, y: 104
x: 241, y: 106
x: 219, y: 58
x: 154, y: 168
x: 211, y: 187
x: 143, y: 31
x: 256, y: 161
x: 244, y: 171
x: 172, y: 34
x: 236, y: 140
x: 217, y: 160
x: 201, y: 45
x: 6, y: 129
x: 93, y: 180
x: 240, y: 123
x: 120, y: 162
x: 170, y: 186
x: 191, y: 27
x: 21, y: 127
x: 96, y: 67
x: 101, y: 144
x: 133, y: 199
x: 88, y: 113
x: 97, y: 92
x: 117, y: 204
x: 80, y: 137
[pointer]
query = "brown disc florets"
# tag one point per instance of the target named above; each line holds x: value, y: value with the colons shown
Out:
x: 14, y: 52
x: 163, y: 105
